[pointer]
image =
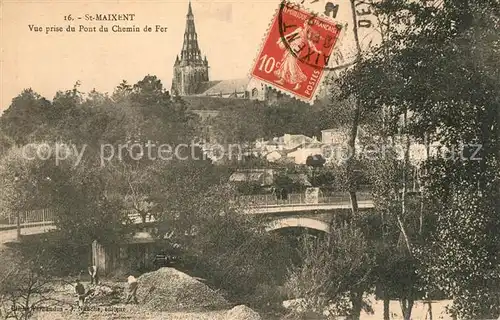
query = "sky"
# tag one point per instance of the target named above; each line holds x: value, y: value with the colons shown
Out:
x: 229, y: 34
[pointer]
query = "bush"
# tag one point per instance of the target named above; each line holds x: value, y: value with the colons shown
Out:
x: 57, y: 256
x: 334, y: 274
x: 240, y: 257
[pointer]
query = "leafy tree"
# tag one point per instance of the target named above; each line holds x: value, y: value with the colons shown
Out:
x: 236, y: 249
x: 122, y: 91
x: 163, y: 119
x: 25, y: 286
x: 24, y: 182
x: 324, y: 177
x: 5, y: 143
x: 200, y: 213
x: 334, y: 274
x: 79, y: 193
x: 139, y: 112
x: 251, y: 120
x: 241, y: 123
x: 399, y: 233
x: 453, y: 44
x: 26, y: 115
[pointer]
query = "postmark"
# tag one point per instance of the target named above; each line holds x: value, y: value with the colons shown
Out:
x: 296, y: 51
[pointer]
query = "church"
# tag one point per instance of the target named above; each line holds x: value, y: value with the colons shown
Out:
x: 191, y: 76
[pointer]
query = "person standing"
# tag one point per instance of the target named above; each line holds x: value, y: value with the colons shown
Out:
x: 80, y: 291
x: 93, y: 275
x: 132, y: 289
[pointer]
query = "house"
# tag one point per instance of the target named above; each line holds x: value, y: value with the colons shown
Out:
x: 264, y: 147
x: 292, y: 141
x: 334, y: 136
x: 261, y: 177
x: 305, y: 150
x: 290, y: 148
x: 280, y: 146
x: 275, y: 155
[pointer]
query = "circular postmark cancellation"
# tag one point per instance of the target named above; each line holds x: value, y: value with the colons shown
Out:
x: 316, y: 37
x: 296, y: 51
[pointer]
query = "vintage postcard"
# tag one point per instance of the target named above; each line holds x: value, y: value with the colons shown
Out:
x: 249, y: 159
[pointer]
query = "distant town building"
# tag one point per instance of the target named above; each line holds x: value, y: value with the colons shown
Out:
x: 334, y: 136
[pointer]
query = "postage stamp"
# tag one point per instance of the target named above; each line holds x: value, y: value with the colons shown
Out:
x: 296, y: 51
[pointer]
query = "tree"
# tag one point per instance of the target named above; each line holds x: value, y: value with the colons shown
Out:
x: 78, y: 190
x: 139, y: 112
x: 26, y: 115
x: 399, y: 232
x: 451, y: 44
x: 334, y: 274
x: 237, y: 250
x: 122, y: 91
x: 199, y: 212
x: 252, y: 120
x: 25, y: 286
x: 243, y: 123
x: 163, y: 119
x: 87, y: 207
x: 24, y: 181
x: 5, y: 143
x: 315, y: 161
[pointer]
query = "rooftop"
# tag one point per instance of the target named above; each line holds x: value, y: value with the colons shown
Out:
x: 201, y: 102
x: 224, y: 87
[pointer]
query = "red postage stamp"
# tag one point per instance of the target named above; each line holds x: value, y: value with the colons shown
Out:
x: 296, y: 51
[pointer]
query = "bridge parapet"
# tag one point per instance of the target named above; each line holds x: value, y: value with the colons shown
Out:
x: 254, y: 204
x: 270, y: 200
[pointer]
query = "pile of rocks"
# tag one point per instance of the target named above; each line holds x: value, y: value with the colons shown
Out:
x: 168, y: 289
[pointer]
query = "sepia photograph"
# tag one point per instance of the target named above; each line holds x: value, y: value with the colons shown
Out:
x: 250, y: 159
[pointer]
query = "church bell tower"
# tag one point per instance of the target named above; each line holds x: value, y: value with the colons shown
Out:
x: 190, y: 70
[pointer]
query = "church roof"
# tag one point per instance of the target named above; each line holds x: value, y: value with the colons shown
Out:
x: 204, y: 86
x: 225, y: 87
x: 201, y: 102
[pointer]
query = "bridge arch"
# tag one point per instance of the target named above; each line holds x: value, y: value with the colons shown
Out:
x: 298, y: 222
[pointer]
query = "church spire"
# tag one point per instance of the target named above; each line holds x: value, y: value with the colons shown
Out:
x: 190, y: 70
x: 190, y: 49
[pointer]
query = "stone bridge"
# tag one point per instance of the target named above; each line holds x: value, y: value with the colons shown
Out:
x: 301, y: 211
x: 297, y: 210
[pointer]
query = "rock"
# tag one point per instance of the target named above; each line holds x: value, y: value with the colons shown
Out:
x: 306, y: 315
x: 242, y: 312
x: 99, y: 291
x: 296, y: 305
